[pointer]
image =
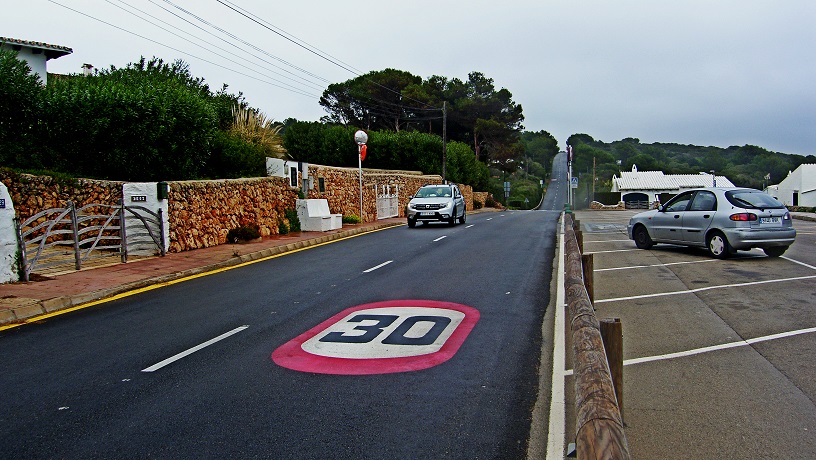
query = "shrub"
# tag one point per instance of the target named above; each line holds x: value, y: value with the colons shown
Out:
x: 477, y: 204
x: 283, y: 227
x: 294, y: 221
x: 351, y: 219
x: 20, y: 92
x: 490, y: 202
x: 243, y: 233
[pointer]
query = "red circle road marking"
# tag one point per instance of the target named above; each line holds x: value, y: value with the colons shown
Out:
x: 381, y: 338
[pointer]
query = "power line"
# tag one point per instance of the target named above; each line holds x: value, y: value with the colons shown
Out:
x: 180, y: 51
x: 194, y: 43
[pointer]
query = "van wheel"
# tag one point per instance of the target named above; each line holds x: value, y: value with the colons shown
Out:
x: 452, y: 220
x: 411, y: 223
x: 463, y: 218
x: 718, y: 246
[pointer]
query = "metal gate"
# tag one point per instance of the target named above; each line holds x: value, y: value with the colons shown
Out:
x: 71, y: 235
x: 387, y: 201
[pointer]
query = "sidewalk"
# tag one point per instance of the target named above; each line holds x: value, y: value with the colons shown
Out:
x: 23, y: 301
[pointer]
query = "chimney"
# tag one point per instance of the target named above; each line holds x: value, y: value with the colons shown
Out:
x: 86, y: 69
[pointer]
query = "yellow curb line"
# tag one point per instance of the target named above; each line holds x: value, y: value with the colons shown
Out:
x: 122, y: 295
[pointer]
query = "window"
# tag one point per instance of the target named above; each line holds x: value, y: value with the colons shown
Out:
x: 704, y: 201
x: 293, y: 176
x: 321, y: 184
x: 680, y: 203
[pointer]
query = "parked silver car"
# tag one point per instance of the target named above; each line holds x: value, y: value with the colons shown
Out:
x: 723, y: 220
x: 442, y: 202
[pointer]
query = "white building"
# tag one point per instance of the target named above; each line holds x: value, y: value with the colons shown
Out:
x: 36, y: 54
x: 798, y: 189
x: 646, y: 186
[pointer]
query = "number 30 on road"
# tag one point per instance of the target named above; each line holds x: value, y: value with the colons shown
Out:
x: 381, y: 338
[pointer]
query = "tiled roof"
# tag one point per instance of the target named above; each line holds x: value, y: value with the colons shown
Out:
x: 656, y: 180
x: 52, y: 51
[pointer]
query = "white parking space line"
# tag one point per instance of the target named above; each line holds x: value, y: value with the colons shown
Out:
x: 377, y: 267
x: 800, y: 263
x: 190, y: 351
x: 440, y: 238
x: 707, y: 288
x: 655, y: 265
x: 698, y: 351
x: 614, y: 250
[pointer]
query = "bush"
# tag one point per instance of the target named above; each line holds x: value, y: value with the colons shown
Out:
x: 490, y: 202
x: 351, y: 219
x: 477, y: 204
x: 243, y: 233
x: 294, y: 220
x: 20, y: 93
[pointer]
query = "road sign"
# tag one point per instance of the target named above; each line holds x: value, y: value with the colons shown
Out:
x: 574, y: 182
x: 381, y: 338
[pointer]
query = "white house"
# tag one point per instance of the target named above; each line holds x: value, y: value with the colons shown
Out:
x: 798, y: 189
x: 646, y: 186
x: 36, y: 54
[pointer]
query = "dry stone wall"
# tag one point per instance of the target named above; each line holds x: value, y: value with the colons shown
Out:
x: 201, y: 213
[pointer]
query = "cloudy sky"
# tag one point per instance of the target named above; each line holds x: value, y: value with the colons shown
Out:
x: 722, y: 73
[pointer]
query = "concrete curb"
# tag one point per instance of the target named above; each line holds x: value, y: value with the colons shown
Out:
x: 27, y: 311
x: 802, y: 216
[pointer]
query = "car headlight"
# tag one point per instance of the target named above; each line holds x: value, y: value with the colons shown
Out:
x: 446, y: 207
x: 411, y: 206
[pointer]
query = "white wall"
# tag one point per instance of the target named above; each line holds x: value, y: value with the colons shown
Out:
x: 8, y: 238
x: 802, y: 180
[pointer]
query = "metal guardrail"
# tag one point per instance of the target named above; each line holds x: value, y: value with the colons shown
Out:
x: 53, y: 237
x: 599, y: 424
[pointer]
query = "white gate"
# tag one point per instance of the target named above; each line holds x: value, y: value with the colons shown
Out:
x: 387, y: 201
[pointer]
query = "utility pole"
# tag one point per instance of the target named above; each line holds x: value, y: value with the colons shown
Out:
x: 444, y: 139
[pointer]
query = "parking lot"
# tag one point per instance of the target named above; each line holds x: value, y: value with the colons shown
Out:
x: 718, y: 354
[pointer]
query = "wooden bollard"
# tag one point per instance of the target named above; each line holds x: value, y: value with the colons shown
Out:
x: 589, y: 266
x: 612, y: 336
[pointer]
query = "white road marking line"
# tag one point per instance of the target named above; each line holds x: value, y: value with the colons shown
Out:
x: 614, y: 250
x: 655, y: 265
x: 707, y: 288
x: 698, y: 351
x: 489, y: 218
x: 800, y: 263
x: 557, y: 428
x: 440, y: 238
x: 471, y: 225
x: 190, y: 351
x: 377, y: 267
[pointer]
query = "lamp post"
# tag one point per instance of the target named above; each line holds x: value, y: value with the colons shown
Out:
x: 360, y: 137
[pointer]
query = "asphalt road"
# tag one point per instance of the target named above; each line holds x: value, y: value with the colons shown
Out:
x: 186, y: 371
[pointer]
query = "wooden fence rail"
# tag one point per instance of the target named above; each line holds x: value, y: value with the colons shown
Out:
x: 599, y: 425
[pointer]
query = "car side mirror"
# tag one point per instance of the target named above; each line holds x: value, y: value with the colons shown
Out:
x: 661, y: 208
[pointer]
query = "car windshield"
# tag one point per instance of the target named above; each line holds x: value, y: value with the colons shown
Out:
x: 430, y: 192
x: 753, y: 199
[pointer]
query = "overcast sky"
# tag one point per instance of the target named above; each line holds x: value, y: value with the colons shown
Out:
x: 721, y: 73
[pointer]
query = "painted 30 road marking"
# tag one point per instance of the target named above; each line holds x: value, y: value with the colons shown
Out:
x: 380, y: 338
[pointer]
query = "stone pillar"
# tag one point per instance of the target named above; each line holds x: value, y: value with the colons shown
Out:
x: 9, y: 245
x: 144, y: 194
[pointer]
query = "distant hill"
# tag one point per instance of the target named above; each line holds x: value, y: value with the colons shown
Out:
x: 745, y: 166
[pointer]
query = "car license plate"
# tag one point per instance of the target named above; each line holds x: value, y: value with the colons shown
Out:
x: 426, y: 213
x: 770, y: 221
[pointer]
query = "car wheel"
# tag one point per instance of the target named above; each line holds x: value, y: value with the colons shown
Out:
x: 775, y: 251
x: 452, y: 220
x: 718, y: 246
x: 411, y: 223
x: 642, y: 238
x: 463, y: 218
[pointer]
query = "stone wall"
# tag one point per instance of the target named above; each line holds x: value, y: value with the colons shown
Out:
x: 200, y: 213
x: 32, y: 194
